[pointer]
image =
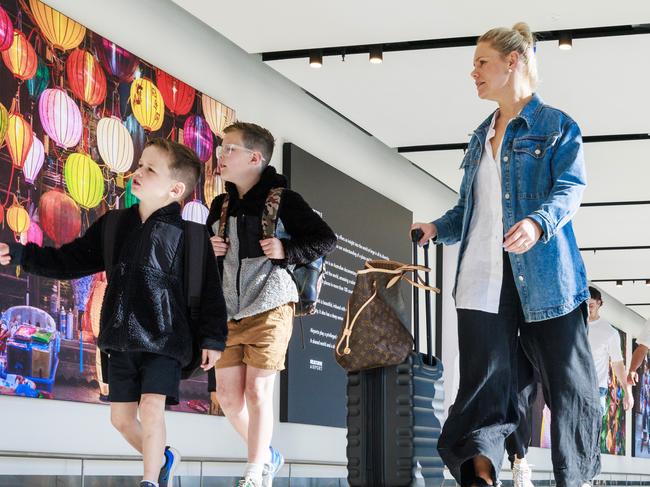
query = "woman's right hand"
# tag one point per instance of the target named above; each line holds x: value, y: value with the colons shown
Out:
x: 219, y: 246
x: 429, y: 229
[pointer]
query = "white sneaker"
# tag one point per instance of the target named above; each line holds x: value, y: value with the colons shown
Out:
x: 521, y: 474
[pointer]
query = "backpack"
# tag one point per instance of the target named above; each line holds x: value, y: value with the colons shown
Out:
x: 309, y: 277
x: 194, y: 243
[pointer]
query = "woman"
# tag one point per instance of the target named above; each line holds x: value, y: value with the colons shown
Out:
x: 519, y: 273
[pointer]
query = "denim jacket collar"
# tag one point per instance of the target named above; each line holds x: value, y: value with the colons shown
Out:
x: 528, y: 114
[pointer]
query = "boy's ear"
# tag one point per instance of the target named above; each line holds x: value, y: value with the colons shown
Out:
x: 178, y: 190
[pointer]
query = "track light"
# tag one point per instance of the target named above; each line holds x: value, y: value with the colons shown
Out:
x: 316, y: 59
x: 619, y: 283
x: 376, y: 54
x: 565, y: 41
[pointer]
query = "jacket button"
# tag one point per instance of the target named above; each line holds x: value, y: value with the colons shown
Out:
x: 505, y: 158
x: 538, y: 152
x: 507, y: 196
x: 521, y: 278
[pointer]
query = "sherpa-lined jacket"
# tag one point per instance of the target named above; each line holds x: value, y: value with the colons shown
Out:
x: 252, y: 283
x: 144, y: 308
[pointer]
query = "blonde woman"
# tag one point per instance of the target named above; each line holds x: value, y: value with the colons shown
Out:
x: 519, y: 273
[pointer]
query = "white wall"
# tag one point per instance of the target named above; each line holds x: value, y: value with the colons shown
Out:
x: 168, y: 37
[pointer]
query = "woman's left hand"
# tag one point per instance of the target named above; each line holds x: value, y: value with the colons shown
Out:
x: 522, y: 236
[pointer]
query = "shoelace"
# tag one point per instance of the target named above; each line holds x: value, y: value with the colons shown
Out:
x: 247, y: 482
x: 522, y: 474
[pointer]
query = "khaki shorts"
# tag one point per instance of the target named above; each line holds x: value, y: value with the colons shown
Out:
x: 259, y: 341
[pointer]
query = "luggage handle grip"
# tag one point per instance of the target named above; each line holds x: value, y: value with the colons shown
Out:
x: 416, y: 236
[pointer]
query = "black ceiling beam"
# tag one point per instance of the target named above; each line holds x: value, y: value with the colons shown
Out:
x: 622, y: 280
x: 638, y: 304
x: 629, y: 247
x: 549, y: 35
x: 462, y: 146
x: 614, y: 203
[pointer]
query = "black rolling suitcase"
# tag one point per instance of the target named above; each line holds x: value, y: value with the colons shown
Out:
x: 393, y: 415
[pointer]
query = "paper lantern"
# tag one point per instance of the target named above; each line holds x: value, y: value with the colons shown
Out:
x: 218, y: 115
x: 84, y: 180
x: 4, y: 122
x: 6, y: 30
x: 20, y: 58
x: 138, y: 137
x: 60, y: 217
x: 34, y: 234
x: 129, y: 198
x: 19, y: 138
x: 115, y: 144
x: 86, y: 77
x: 195, y: 211
x: 61, y: 31
x: 37, y: 83
x: 34, y: 161
x: 147, y: 104
x: 117, y: 61
x: 178, y: 96
x: 60, y: 117
x: 197, y: 136
x: 17, y: 218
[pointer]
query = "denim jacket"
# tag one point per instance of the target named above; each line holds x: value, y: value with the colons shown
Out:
x: 542, y: 178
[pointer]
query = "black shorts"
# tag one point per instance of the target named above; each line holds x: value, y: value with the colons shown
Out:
x: 131, y: 374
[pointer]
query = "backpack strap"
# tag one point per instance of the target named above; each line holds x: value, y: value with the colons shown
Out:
x: 223, y: 217
x: 194, y: 246
x: 270, y: 213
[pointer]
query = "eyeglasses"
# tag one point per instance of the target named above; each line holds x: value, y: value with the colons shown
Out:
x: 225, y: 150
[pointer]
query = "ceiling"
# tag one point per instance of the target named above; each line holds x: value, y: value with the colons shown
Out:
x: 426, y: 97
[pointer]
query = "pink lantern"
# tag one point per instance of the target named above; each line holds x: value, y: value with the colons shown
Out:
x: 34, y: 161
x: 117, y: 61
x: 60, y: 117
x: 196, y: 212
x: 34, y: 234
x: 6, y: 30
x: 198, y: 137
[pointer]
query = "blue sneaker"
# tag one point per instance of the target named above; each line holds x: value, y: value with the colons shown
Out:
x: 271, y: 469
x: 172, y: 459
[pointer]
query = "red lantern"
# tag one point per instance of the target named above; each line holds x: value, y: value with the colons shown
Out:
x: 86, y: 77
x: 20, y: 58
x: 60, y: 217
x: 178, y: 96
x: 6, y: 30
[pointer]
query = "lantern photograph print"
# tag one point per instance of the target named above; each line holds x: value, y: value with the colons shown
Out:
x: 76, y: 112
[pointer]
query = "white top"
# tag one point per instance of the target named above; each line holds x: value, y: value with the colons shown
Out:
x: 605, y: 344
x: 644, y: 337
x: 481, y: 268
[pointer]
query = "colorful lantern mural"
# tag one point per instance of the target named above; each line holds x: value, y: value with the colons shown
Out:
x: 198, y: 137
x: 60, y: 31
x: 21, y: 57
x: 37, y: 83
x: 147, y: 104
x: 86, y: 77
x: 60, y: 117
x: 84, y: 180
x: 60, y: 217
x: 218, y: 115
x: 34, y: 161
x: 17, y: 218
x: 6, y: 30
x: 178, y: 96
x: 19, y: 138
x: 115, y: 144
x: 195, y: 211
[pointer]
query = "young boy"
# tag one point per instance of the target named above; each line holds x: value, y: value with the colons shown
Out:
x: 260, y: 292
x: 145, y: 326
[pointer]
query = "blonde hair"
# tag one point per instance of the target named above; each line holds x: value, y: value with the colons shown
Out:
x: 519, y: 39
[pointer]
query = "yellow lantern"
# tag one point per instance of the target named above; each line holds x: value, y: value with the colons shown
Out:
x: 218, y: 115
x: 147, y: 104
x: 17, y: 218
x: 84, y: 180
x: 63, y: 32
x: 4, y: 122
x: 19, y: 138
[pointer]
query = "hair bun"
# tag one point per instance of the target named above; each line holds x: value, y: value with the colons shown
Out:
x: 524, y: 29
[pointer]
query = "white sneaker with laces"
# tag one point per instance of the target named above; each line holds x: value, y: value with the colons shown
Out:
x: 521, y: 475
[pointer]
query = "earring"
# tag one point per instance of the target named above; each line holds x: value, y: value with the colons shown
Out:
x: 509, y: 70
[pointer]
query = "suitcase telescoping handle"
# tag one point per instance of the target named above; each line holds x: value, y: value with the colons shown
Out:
x: 416, y: 235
